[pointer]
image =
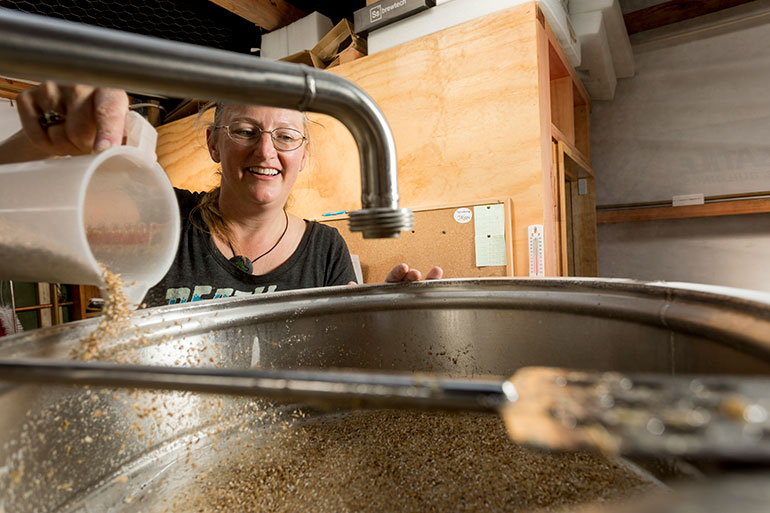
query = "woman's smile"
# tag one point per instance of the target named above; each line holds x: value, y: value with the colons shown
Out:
x: 263, y: 171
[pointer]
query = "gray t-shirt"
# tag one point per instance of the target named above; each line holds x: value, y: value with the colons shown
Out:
x: 200, y: 271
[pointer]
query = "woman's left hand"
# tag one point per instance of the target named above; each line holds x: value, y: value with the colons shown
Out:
x: 403, y: 273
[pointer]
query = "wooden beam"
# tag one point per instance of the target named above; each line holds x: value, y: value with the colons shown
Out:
x: 10, y: 88
x: 268, y: 14
x: 571, y: 150
x: 722, y: 208
x: 673, y: 11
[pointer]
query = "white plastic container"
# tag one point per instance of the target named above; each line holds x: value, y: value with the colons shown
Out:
x: 62, y: 217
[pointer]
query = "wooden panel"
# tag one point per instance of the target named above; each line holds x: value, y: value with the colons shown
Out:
x: 578, y: 216
x: 583, y: 131
x: 572, y: 244
x: 268, y: 14
x: 558, y: 64
x: 183, y: 154
x: 547, y: 59
x: 436, y: 239
x: 584, y: 255
x: 724, y: 208
x: 463, y: 129
x: 562, y: 107
x: 583, y: 165
x: 673, y: 11
x: 565, y: 220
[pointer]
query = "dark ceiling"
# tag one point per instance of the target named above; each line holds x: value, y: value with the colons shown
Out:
x: 199, y: 22
x: 335, y: 10
x: 205, y: 23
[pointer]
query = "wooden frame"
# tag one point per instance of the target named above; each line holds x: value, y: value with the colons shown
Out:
x: 440, y: 241
x: 719, y: 208
x: 577, y: 213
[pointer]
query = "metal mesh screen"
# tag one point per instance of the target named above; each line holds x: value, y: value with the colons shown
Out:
x: 192, y: 21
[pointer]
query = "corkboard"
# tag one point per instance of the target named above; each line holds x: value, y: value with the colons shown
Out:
x: 435, y: 239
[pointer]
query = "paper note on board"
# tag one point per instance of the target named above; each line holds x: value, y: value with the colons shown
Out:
x: 489, y: 225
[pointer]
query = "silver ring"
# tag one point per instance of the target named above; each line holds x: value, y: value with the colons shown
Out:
x: 50, y: 118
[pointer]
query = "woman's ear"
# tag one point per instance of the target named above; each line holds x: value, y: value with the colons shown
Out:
x: 303, y: 161
x: 212, y: 145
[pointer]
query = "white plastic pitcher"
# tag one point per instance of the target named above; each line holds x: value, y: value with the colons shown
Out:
x: 62, y: 217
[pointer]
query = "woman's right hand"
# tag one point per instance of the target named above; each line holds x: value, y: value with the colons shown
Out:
x: 85, y: 118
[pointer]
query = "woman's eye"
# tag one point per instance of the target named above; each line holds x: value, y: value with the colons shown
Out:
x: 287, y: 136
x: 244, y: 132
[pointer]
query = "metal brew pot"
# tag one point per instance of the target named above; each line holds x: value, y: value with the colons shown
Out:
x: 76, y: 449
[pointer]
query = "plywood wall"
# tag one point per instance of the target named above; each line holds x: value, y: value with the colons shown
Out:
x: 463, y: 105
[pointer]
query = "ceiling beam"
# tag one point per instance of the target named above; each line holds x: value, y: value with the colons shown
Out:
x: 268, y: 14
x: 673, y: 11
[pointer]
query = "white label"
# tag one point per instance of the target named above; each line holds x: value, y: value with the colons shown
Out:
x: 463, y: 215
x: 489, y: 228
x: 582, y: 187
x: 688, y: 199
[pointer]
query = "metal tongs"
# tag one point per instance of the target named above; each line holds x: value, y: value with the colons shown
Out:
x: 708, y: 417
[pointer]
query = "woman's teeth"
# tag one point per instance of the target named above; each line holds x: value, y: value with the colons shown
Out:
x: 263, y: 171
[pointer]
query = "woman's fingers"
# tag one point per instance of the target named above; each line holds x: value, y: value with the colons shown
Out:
x: 79, y: 128
x: 110, y: 106
x: 397, y: 273
x: 30, y: 106
x: 72, y: 120
x: 402, y: 272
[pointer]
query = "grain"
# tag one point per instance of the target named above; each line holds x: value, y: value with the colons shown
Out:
x: 116, y: 317
x: 405, y: 461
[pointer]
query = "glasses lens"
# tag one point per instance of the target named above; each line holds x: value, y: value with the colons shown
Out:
x: 287, y: 138
x: 243, y: 133
x: 283, y: 138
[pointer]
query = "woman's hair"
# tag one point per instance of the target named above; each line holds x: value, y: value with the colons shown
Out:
x: 214, y: 222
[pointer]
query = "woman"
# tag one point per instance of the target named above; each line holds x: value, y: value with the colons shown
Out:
x: 238, y: 238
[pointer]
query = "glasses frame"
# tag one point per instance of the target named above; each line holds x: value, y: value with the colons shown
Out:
x: 249, y: 142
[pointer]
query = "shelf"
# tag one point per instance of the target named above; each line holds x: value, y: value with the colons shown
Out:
x: 721, y: 208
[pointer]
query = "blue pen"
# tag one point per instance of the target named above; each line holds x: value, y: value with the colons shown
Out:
x: 335, y: 213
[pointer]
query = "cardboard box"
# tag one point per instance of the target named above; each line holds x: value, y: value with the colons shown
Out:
x: 386, y: 12
x: 305, y: 57
x: 337, y: 40
x: 347, y: 55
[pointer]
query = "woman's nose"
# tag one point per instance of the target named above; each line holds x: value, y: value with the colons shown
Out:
x: 264, y: 144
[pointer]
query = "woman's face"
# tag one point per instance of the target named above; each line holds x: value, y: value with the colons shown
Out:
x: 257, y: 172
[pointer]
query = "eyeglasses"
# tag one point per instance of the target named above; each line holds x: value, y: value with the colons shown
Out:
x: 246, y: 134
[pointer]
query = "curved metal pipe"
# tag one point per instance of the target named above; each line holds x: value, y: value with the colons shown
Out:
x: 44, y: 48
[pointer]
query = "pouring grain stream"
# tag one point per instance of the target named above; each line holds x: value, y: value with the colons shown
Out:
x: 116, y: 317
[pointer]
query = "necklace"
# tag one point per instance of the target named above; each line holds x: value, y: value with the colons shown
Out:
x: 246, y: 265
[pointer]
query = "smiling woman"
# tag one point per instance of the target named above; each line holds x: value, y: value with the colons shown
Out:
x: 236, y: 239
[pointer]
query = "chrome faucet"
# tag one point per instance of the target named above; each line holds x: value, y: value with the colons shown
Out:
x: 39, y: 47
